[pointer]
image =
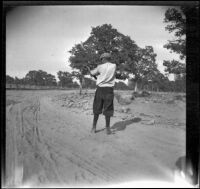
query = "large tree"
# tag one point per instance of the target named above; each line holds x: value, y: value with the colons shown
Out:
x: 176, y: 24
x: 80, y: 57
x: 102, y: 39
x: 129, y: 58
x: 143, y: 67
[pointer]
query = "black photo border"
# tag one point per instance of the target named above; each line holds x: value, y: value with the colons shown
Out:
x: 192, y: 71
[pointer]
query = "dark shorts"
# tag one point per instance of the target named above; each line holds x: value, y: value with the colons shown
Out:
x: 103, y: 101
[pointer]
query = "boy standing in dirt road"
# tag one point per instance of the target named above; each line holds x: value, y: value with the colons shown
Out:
x: 104, y: 95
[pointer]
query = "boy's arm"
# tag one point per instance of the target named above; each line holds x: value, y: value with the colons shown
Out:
x: 93, y: 72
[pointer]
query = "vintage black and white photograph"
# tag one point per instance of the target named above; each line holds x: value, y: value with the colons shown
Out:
x: 96, y: 96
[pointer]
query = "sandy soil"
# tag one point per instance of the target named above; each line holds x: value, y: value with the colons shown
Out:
x: 48, y: 140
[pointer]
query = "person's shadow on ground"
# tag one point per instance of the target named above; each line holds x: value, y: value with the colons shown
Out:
x: 121, y: 125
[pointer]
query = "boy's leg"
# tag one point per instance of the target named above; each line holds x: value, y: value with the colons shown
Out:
x: 108, y: 131
x: 95, y: 119
x: 97, y: 108
x: 108, y: 107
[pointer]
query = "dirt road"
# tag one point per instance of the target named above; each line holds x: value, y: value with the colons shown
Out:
x: 48, y: 140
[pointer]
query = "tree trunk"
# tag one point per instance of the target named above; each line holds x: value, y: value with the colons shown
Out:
x: 136, y: 87
x: 82, y: 83
x: 80, y: 89
x: 86, y: 90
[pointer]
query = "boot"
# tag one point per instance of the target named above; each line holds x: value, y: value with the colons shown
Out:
x: 108, y: 131
x: 93, y: 130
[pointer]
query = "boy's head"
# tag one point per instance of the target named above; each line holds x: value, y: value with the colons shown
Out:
x: 105, y: 57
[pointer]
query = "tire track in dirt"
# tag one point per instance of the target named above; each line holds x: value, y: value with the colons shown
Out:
x: 40, y: 150
x: 27, y: 140
x: 26, y: 118
x: 116, y: 147
x: 84, y: 162
x: 14, y: 155
x: 73, y: 155
x: 85, y: 138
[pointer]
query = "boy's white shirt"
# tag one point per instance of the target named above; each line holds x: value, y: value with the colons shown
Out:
x: 106, y: 77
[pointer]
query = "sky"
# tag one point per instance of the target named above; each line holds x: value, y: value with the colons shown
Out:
x: 39, y: 37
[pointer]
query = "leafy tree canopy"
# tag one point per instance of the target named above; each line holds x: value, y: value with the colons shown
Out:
x: 174, y: 67
x: 102, y: 39
x: 129, y: 58
x: 176, y: 22
x: 9, y: 79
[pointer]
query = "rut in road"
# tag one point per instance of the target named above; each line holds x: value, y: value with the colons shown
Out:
x: 40, y: 152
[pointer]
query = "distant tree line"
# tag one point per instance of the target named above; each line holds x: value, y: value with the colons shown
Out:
x: 42, y: 78
x: 162, y: 86
x: 65, y: 80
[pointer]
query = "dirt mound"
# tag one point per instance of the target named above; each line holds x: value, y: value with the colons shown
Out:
x: 124, y: 109
x: 124, y: 99
x: 84, y: 102
x: 74, y: 100
x: 141, y: 94
x: 159, y: 97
